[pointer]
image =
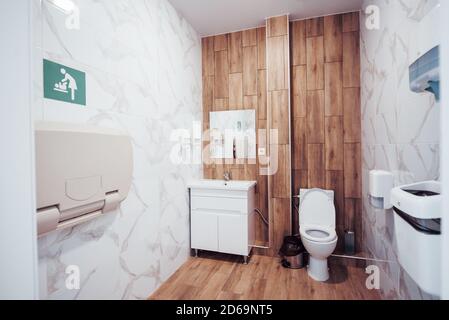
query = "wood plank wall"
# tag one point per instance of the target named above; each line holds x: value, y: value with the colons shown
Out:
x: 249, y: 70
x: 234, y: 78
x: 278, y: 103
x: 325, y: 64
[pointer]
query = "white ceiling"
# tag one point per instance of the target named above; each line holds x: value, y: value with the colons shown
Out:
x: 210, y: 17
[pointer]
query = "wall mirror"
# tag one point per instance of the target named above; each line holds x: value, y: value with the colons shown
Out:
x: 233, y: 134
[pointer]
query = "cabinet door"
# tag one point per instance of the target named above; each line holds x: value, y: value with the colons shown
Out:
x: 233, y: 234
x: 204, y: 231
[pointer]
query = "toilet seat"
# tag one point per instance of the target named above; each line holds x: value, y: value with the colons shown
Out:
x: 319, y: 234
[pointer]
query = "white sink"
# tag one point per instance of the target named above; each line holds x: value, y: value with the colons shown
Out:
x: 222, y: 185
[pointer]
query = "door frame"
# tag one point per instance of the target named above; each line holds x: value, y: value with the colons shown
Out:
x: 18, y: 234
x: 444, y: 25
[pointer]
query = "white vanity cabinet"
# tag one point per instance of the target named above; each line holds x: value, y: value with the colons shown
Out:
x: 222, y: 216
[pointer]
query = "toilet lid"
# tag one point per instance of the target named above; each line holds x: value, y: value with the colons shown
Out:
x: 317, y: 208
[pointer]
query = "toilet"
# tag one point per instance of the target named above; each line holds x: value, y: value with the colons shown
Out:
x: 317, y: 229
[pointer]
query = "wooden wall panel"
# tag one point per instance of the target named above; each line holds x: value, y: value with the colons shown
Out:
x: 299, y: 91
x: 351, y: 22
x: 221, y: 104
x: 262, y: 94
x: 352, y: 168
x: 279, y: 114
x: 208, y: 91
x: 235, y: 91
x: 208, y: 62
x: 298, y: 43
x: 250, y: 71
x: 315, y: 27
x: 234, y: 78
x: 335, y: 181
x: 278, y: 105
x: 299, y: 143
x: 315, y: 116
x: 326, y: 114
x: 334, y: 143
x: 277, y: 26
x: 249, y: 37
x: 300, y: 181
x: 316, y: 166
x: 333, y: 89
x: 280, y: 219
x: 351, y: 59
x: 276, y: 68
x: 262, y: 231
x: 235, y: 52
x: 315, y: 63
x: 221, y: 74
x: 352, y: 115
x: 261, y: 48
x: 280, y: 181
x: 333, y: 44
x: 250, y: 102
x: 221, y: 42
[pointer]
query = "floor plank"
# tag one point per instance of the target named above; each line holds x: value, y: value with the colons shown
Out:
x: 214, y: 276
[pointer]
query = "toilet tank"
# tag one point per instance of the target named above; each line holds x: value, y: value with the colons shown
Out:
x: 82, y: 172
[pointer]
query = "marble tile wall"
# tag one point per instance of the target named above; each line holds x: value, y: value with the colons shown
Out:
x: 143, y: 67
x: 400, y: 129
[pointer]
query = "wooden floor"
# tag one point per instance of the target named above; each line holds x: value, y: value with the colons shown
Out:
x: 214, y: 276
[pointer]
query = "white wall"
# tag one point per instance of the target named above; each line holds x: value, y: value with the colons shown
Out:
x: 400, y: 128
x: 445, y: 149
x: 143, y: 68
x: 18, y: 241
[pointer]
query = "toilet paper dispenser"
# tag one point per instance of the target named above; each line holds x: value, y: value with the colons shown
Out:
x: 380, y: 185
x: 82, y: 172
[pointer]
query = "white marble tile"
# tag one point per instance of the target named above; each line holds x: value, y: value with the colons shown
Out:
x: 143, y: 74
x: 400, y: 129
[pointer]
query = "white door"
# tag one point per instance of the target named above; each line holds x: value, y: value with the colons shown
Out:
x: 204, y: 231
x: 233, y: 234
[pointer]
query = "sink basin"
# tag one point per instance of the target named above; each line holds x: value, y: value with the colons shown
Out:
x: 222, y: 185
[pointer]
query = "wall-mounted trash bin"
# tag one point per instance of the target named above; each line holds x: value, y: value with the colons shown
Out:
x: 417, y: 229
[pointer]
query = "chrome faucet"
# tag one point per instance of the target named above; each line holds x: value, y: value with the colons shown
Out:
x: 227, y: 176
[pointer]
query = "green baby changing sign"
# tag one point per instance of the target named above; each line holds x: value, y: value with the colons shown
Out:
x: 64, y: 84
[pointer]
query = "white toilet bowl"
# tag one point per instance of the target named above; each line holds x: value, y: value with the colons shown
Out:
x: 319, y: 242
x: 317, y: 230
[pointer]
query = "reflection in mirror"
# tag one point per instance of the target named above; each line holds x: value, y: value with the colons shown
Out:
x: 233, y: 134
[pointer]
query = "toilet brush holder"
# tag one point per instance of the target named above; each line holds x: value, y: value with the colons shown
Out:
x: 349, y: 242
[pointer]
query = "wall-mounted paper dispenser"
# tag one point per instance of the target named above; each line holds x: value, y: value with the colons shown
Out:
x: 425, y: 73
x: 380, y: 185
x: 424, y: 55
x: 82, y: 172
